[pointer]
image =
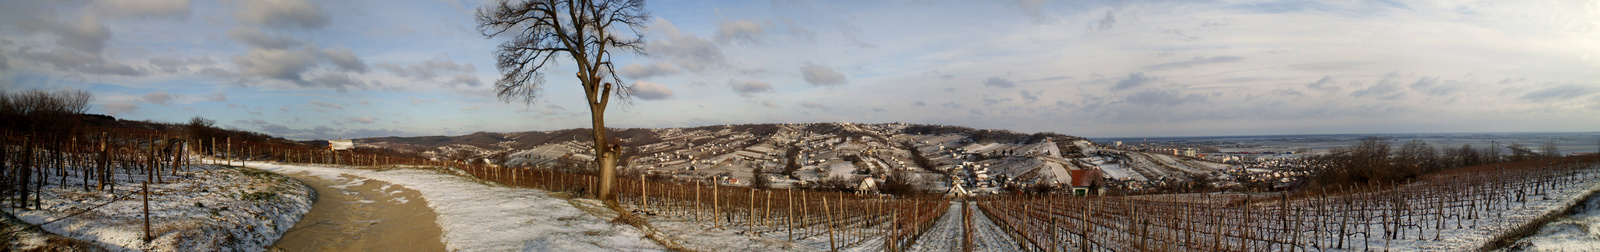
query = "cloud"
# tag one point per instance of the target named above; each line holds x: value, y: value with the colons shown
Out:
x: 336, y: 81
x: 651, y: 91
x: 1194, y: 62
x: 1133, y: 80
x: 996, y: 81
x: 217, y: 97
x: 1052, y: 78
x: 464, y: 80
x: 951, y: 104
x: 645, y: 71
x: 744, y: 31
x: 255, y: 38
x: 174, y: 65
x: 1562, y: 92
x: 1034, y: 9
x: 748, y: 88
x: 143, y: 8
x: 282, y: 14
x: 1386, y: 89
x: 1162, y: 97
x: 323, y: 106
x: 813, y: 105
x: 428, y: 69
x: 853, y: 35
x: 471, y: 108
x: 415, y: 101
x: 821, y: 75
x: 362, y: 119
x: 992, y: 101
x: 1325, y: 84
x: 687, y: 51
x: 1424, y: 83
x: 158, y: 97
x: 120, y: 107
x: 277, y: 64
x: 1031, y: 98
x: 345, y: 59
x: 919, y: 104
x: 1108, y: 22
x: 82, y: 44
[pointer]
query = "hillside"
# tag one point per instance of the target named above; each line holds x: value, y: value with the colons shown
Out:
x: 826, y: 154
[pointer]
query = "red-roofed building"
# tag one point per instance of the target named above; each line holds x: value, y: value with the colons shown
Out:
x: 1084, y: 182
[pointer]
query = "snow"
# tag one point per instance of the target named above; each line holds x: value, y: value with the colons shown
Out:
x: 947, y: 233
x: 482, y: 216
x: 1577, y: 232
x: 209, y: 209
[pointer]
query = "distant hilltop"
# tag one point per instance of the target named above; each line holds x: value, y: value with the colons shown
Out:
x: 834, y: 155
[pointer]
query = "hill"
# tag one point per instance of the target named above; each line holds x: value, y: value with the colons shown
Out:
x: 832, y: 155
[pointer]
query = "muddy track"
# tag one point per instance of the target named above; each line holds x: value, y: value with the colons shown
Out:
x: 358, y: 214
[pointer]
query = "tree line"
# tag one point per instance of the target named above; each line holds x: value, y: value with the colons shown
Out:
x: 1374, y: 160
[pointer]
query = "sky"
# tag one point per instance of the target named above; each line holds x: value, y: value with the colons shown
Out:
x: 366, y: 68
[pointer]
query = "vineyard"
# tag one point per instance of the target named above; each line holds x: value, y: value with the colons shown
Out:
x: 1459, y: 209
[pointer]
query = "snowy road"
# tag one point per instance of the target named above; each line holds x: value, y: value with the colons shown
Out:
x: 947, y: 233
x: 359, y: 214
x: 479, y: 216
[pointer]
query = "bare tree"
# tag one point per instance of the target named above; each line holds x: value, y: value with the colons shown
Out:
x: 1550, y: 148
x: 1418, y: 157
x: 543, y: 32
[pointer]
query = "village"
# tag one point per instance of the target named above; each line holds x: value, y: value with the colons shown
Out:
x: 864, y: 157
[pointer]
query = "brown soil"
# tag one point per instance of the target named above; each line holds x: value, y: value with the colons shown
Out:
x: 363, y: 217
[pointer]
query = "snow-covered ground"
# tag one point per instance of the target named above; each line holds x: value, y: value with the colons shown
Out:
x: 482, y: 216
x: 1577, y: 232
x: 947, y: 233
x: 209, y: 209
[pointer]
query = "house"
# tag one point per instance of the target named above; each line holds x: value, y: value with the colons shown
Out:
x: 867, y: 185
x: 957, y: 191
x: 339, y: 145
x: 1084, y: 182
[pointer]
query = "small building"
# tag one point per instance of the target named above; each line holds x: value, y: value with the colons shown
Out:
x: 339, y: 145
x: 867, y: 185
x: 1084, y: 182
x: 957, y: 191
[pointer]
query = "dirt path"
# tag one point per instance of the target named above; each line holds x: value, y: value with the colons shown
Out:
x: 358, y: 214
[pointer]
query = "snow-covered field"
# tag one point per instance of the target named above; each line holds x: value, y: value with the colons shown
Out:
x: 209, y: 209
x: 1577, y: 232
x: 482, y: 216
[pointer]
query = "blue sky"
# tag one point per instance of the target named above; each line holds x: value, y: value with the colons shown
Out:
x: 331, y: 69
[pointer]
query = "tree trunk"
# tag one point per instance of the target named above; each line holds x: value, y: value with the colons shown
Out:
x: 605, y: 155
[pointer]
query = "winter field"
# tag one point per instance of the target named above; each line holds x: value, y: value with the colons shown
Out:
x: 206, y: 208
x: 199, y: 206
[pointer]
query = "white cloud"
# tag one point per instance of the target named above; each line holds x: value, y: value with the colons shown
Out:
x: 687, y: 51
x: 280, y: 64
x: 821, y: 75
x: 282, y: 14
x: 178, y: 9
x: 158, y: 97
x: 345, y: 59
x: 121, y: 107
x: 996, y: 81
x: 427, y: 69
x: 362, y: 119
x: 745, y: 31
x: 749, y: 87
x: 646, y: 71
x: 651, y: 91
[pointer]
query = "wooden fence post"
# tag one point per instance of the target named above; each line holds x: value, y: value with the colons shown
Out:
x: 146, y: 186
x: 829, y: 212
